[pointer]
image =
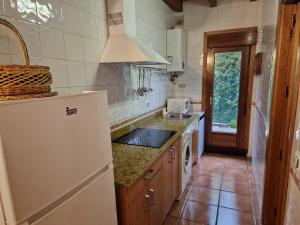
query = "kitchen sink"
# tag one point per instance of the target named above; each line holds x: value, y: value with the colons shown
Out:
x: 178, y: 116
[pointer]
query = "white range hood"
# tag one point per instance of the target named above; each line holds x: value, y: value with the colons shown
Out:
x: 123, y: 45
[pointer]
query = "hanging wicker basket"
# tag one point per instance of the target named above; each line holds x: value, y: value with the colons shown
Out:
x: 24, y: 81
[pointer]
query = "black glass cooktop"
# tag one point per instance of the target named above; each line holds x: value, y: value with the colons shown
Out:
x: 146, y: 137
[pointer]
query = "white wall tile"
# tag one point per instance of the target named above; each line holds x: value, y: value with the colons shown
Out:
x: 52, y: 42
x: 91, y: 50
x: 19, y: 9
x: 49, y: 13
x: 89, y: 25
x: 102, y: 30
x: 76, y: 73
x: 17, y: 60
x: 4, y: 44
x: 73, y: 47
x: 72, y: 19
x: 92, y: 71
x: 76, y: 3
x: 5, y: 59
x: 31, y: 36
x: 58, y: 69
x: 36, y: 61
x: 101, y: 9
x: 1, y: 7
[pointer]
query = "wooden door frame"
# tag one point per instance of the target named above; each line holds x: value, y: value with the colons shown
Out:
x: 230, y: 38
x: 283, y: 115
x: 232, y: 140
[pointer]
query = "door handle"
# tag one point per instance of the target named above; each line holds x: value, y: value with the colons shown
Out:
x: 152, y: 194
x: 150, y: 175
x: 210, y: 100
x: 171, y: 157
x: 147, y: 197
x: 173, y: 153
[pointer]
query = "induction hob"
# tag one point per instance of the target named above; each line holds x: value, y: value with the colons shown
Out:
x: 146, y: 137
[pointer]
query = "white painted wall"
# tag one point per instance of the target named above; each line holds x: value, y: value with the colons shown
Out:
x: 70, y: 35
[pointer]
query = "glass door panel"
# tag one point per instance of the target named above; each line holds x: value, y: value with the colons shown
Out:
x: 226, y: 89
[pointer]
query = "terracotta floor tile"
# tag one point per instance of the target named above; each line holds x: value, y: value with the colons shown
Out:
x: 235, y: 171
x: 170, y: 220
x: 207, y: 163
x: 188, y: 222
x: 212, y: 160
x: 204, y: 195
x: 200, y: 212
x: 236, y: 163
x: 239, y: 178
x: 234, y: 217
x: 187, y: 190
x: 215, y: 172
x: 236, y: 201
x: 177, y: 208
x: 208, y: 181
x: 239, y: 188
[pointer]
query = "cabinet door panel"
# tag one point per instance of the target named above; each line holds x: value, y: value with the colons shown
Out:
x: 167, y: 182
x: 175, y: 171
x: 155, y: 193
x: 138, y: 210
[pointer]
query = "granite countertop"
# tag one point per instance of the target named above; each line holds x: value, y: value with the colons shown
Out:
x: 130, y: 162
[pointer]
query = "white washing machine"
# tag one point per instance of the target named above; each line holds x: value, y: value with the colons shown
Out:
x: 186, y: 158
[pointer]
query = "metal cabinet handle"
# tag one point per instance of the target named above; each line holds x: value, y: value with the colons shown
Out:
x: 150, y: 174
x: 174, y: 153
x: 152, y: 194
x: 147, y: 197
x: 171, y: 157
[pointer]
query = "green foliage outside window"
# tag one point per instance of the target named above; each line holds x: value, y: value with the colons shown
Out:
x: 226, y: 88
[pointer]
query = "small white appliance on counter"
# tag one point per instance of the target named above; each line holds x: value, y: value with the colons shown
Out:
x: 179, y: 104
x: 56, y: 162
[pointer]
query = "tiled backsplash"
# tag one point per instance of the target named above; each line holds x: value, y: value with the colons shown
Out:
x: 69, y: 37
x: 199, y: 17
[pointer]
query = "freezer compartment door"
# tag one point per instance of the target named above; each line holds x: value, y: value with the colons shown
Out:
x: 95, y: 205
x: 48, y: 147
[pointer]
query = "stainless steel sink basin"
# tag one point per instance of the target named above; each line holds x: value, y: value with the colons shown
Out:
x: 178, y: 116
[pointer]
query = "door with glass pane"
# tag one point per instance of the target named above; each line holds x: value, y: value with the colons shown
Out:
x: 227, y: 91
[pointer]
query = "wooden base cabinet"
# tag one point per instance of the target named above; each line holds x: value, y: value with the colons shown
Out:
x: 141, y: 204
x: 149, y: 200
x: 170, y: 172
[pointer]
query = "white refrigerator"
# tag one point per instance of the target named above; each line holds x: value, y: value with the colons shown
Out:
x: 56, y: 162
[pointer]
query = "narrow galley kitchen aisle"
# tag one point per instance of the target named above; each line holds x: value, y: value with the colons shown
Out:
x: 218, y: 193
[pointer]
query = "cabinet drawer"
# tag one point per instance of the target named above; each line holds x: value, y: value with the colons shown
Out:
x: 138, y: 187
x: 150, y: 173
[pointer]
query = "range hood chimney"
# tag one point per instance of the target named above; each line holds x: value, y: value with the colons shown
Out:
x: 122, y: 45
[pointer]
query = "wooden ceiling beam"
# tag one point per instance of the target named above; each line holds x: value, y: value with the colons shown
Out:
x: 213, y: 3
x: 175, y: 5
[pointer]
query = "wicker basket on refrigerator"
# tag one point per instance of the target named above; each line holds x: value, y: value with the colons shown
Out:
x: 24, y: 81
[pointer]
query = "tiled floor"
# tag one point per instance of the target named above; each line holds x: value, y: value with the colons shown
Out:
x: 218, y: 194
